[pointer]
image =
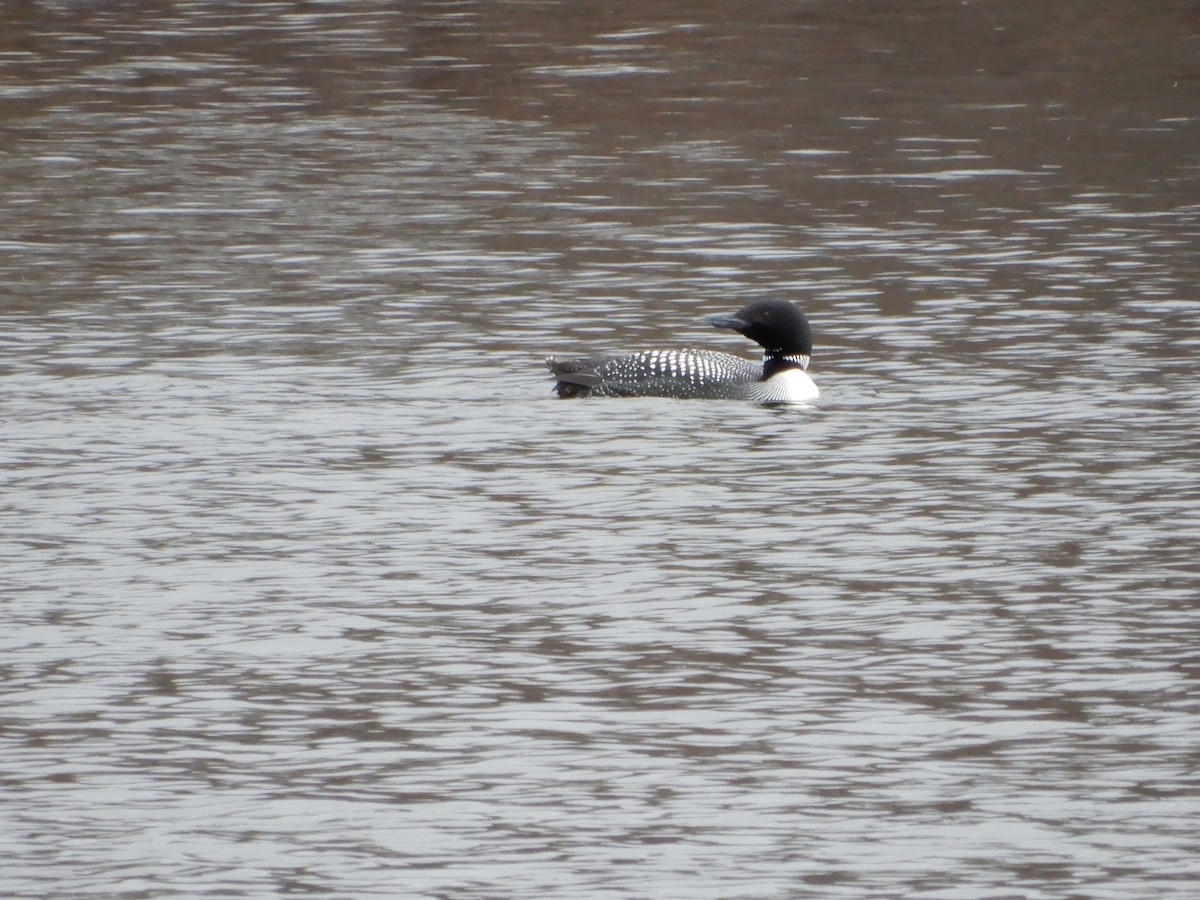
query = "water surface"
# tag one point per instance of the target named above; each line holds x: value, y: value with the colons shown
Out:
x: 313, y: 587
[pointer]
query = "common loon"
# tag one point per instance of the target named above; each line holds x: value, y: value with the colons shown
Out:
x: 779, y: 326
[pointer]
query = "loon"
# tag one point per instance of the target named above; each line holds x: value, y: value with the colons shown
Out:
x: 779, y: 326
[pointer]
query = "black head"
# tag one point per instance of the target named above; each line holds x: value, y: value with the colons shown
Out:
x: 777, y: 325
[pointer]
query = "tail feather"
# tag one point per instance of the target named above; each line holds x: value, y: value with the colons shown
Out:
x: 576, y: 377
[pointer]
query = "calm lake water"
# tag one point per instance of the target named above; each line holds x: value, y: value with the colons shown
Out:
x: 311, y: 586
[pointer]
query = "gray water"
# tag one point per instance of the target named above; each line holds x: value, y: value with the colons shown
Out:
x: 312, y: 587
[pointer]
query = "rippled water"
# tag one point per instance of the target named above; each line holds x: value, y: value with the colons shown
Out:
x: 313, y: 587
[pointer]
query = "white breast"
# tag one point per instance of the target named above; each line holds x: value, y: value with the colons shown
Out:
x: 789, y: 386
